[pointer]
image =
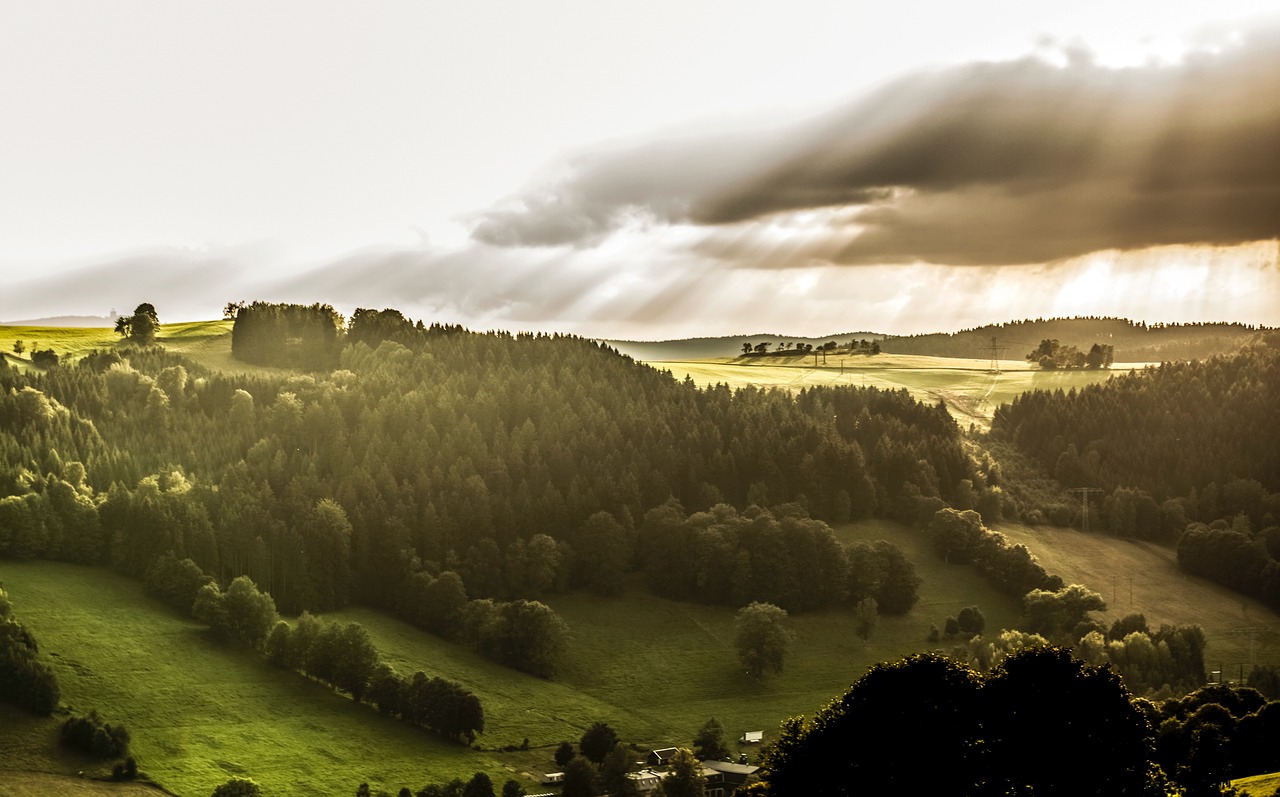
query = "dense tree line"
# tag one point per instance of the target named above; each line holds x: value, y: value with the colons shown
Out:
x: 1133, y: 341
x: 345, y: 658
x: 1236, y: 557
x: 782, y: 557
x: 961, y: 538
x: 340, y: 655
x: 502, y: 460
x: 25, y: 679
x: 1183, y: 430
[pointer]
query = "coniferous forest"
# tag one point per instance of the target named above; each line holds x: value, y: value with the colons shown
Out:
x: 1187, y: 453
x: 428, y: 468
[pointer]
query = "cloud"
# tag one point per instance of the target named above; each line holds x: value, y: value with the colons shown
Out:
x: 1015, y: 162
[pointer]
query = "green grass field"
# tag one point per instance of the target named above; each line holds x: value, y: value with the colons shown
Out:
x: 200, y: 713
x: 1143, y: 577
x: 657, y: 669
x: 968, y: 387
x: 206, y: 342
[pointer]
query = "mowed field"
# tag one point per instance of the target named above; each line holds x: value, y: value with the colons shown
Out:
x: 969, y: 388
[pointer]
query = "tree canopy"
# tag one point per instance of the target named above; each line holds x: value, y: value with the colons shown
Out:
x: 761, y: 638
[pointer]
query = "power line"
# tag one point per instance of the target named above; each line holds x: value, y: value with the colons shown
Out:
x: 995, y: 354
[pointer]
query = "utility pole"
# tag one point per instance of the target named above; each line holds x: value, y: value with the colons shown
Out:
x: 995, y: 354
x: 1084, y: 507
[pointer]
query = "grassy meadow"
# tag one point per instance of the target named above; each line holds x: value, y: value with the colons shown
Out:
x: 206, y: 342
x: 968, y: 387
x: 200, y: 713
x: 1136, y: 576
x: 657, y: 669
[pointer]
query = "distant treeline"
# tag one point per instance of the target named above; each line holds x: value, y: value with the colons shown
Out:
x: 1132, y: 341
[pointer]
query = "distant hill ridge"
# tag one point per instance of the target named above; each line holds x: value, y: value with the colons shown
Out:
x: 90, y: 321
x: 1134, y: 341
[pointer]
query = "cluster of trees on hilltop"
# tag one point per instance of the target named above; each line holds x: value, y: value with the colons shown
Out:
x: 285, y: 335
x: 1133, y: 341
x: 790, y: 348
x: 1186, y: 451
x: 430, y: 451
x: 1051, y: 354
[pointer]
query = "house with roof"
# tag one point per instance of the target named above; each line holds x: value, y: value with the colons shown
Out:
x: 723, y: 777
x: 660, y: 757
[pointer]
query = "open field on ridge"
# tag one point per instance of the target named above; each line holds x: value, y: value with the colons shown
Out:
x: 206, y: 342
x: 968, y: 387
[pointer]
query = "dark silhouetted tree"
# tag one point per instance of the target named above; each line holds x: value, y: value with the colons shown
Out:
x: 597, y: 741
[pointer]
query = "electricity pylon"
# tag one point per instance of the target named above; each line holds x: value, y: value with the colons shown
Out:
x: 995, y: 354
x: 1084, y: 504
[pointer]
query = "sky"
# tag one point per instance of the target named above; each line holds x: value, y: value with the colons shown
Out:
x: 644, y: 170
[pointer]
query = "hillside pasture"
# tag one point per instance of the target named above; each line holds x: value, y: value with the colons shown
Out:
x: 201, y: 713
x: 971, y: 391
x: 1142, y: 577
x: 657, y: 669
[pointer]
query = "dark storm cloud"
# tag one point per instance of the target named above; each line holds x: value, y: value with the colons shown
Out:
x: 997, y: 163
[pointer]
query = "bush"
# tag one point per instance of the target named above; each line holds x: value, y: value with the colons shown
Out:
x: 238, y: 787
x: 90, y: 734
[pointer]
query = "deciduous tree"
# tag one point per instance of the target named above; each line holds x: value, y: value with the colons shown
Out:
x: 761, y: 638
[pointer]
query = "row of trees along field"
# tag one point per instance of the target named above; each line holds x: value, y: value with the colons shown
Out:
x: 341, y: 656
x: 1186, y: 453
x: 433, y: 458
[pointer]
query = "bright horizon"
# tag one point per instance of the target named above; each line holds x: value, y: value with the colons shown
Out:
x: 645, y: 170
